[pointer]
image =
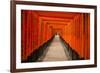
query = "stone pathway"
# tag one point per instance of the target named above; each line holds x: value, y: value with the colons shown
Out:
x: 55, y: 51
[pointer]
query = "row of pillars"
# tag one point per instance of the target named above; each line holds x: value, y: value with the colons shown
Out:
x: 35, y: 32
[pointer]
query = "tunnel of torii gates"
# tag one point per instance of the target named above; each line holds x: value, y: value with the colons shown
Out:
x: 37, y: 27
